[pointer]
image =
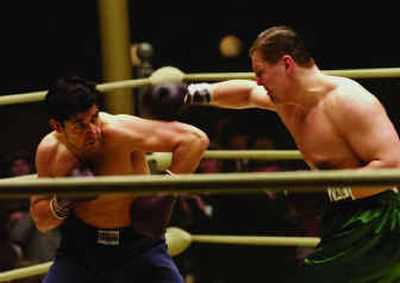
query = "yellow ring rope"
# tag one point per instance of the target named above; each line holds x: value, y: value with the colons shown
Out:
x: 373, y: 73
x: 163, y: 160
x: 298, y: 181
x: 25, y: 272
x: 178, y: 240
x: 172, y: 74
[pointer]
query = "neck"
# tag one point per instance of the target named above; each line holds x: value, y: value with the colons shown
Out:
x: 310, y: 86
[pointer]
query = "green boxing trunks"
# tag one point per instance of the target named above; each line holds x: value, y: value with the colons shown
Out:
x: 360, y: 242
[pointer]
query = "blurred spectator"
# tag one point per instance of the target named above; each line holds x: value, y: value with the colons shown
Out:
x: 209, y: 166
x: 35, y: 246
x: 234, y: 140
x: 263, y: 143
x: 194, y: 213
x: 10, y: 255
x: 20, y: 165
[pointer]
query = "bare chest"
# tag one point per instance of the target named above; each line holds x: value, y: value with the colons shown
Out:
x: 318, y: 140
x: 119, y: 162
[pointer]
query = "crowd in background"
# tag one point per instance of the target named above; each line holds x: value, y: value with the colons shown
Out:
x: 269, y: 213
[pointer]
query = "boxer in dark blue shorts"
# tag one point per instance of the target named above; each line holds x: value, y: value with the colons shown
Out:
x: 110, y: 237
x: 89, y: 254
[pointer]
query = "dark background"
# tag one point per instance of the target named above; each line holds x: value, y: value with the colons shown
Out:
x: 45, y: 39
x: 41, y: 40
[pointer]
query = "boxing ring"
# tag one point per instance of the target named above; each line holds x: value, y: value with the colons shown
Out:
x: 220, y: 183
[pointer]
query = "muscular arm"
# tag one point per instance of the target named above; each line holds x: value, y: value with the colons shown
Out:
x: 187, y: 143
x: 47, y: 166
x: 239, y: 94
x: 363, y: 122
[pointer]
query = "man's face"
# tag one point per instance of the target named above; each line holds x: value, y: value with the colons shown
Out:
x: 267, y: 75
x: 83, y: 131
x: 20, y: 166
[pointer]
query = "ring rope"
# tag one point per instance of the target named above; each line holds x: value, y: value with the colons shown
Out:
x: 178, y: 240
x: 163, y: 160
x: 25, y: 272
x: 253, y: 154
x: 172, y: 74
x: 257, y: 240
x: 297, y: 181
x: 373, y: 73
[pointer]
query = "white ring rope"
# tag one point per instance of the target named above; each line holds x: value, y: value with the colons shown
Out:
x: 178, y: 240
x: 297, y: 181
x: 172, y: 74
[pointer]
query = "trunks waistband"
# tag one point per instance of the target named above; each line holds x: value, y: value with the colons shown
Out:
x: 75, y: 228
x: 336, y: 194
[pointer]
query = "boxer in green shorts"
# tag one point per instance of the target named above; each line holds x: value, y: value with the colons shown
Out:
x: 336, y: 123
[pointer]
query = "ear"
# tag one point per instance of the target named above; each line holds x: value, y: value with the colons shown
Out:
x: 288, y: 62
x: 55, y: 125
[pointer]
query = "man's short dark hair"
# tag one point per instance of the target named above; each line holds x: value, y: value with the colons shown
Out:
x: 68, y: 96
x: 277, y: 41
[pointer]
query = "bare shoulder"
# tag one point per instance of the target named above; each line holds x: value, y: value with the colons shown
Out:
x: 45, y: 153
x: 350, y: 100
x: 121, y: 129
x: 112, y: 124
x: 116, y: 119
x: 349, y: 94
x: 53, y: 158
x: 47, y: 146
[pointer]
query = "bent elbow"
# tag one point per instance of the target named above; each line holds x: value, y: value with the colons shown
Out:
x: 40, y: 224
x: 202, y: 140
x: 42, y: 220
x: 43, y: 228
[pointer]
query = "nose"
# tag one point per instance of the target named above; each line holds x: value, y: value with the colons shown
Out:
x: 91, y: 130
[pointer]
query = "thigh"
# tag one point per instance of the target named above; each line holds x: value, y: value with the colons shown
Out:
x: 164, y: 267
x: 155, y: 266
x: 66, y: 270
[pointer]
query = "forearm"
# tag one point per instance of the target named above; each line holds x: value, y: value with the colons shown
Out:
x: 187, y: 155
x: 43, y: 216
x: 365, y: 191
x: 234, y: 94
x: 392, y: 162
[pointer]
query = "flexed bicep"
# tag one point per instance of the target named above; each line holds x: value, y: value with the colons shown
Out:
x: 186, y: 142
x: 365, y: 125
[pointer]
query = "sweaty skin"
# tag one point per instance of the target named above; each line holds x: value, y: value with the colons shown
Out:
x: 334, y: 121
x: 110, y: 145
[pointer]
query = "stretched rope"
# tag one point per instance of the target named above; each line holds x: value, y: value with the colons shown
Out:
x: 25, y: 272
x: 178, y: 240
x: 374, y: 73
x: 172, y: 74
x: 298, y: 181
x: 163, y: 160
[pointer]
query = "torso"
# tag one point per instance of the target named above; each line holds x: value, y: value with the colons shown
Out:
x: 110, y: 210
x: 113, y: 210
x: 315, y: 136
x: 317, y: 139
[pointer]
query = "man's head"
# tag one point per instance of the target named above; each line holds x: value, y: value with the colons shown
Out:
x: 73, y: 105
x: 273, y: 43
x: 276, y: 54
x: 69, y: 96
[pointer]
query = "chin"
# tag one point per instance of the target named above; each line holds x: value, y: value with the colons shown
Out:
x: 91, y: 146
